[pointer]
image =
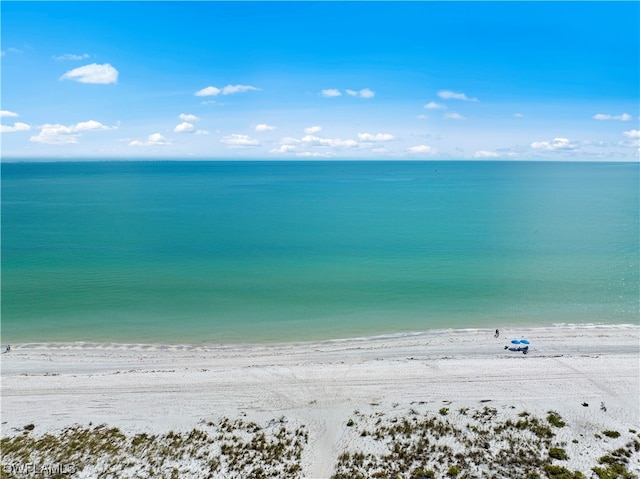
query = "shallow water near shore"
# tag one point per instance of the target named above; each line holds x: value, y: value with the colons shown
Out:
x: 250, y: 252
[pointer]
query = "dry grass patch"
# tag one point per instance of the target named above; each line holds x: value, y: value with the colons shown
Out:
x: 227, y: 448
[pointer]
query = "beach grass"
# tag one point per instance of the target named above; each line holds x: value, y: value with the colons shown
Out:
x: 476, y: 443
x: 472, y: 443
x: 226, y: 448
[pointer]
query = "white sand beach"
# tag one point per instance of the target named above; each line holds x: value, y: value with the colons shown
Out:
x: 590, y: 375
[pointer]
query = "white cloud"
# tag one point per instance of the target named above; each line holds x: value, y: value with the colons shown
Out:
x: 239, y: 141
x: 188, y: 117
x: 208, y: 91
x: 633, y: 141
x: 10, y: 50
x: 562, y: 144
x: 227, y: 90
x: 450, y: 95
x: 230, y: 89
x: 93, y: 73
x: 91, y: 125
x: 19, y: 126
x: 454, y: 116
x: 283, y: 149
x: 71, y: 56
x: 367, y: 93
x: 518, y: 115
x: 311, y: 141
x: 330, y: 142
x: 364, y: 93
x: 313, y: 129
x: 262, y: 127
x: 632, y: 133
x: 376, y: 137
x: 184, y: 127
x: 603, y: 116
x: 422, y: 117
x: 57, y: 134
x: 432, y: 105
x: 330, y: 93
x: 485, y: 154
x: 423, y: 149
x: 315, y: 140
x: 7, y: 113
x: 314, y: 154
x: 156, y: 139
x: 202, y: 132
x: 339, y: 143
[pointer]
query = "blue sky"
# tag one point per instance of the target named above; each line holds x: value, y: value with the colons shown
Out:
x: 334, y: 80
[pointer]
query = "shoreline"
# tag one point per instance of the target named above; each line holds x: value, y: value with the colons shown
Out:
x: 157, y: 389
x: 563, y: 328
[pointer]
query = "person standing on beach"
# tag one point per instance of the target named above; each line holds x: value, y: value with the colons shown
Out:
x: 497, y: 333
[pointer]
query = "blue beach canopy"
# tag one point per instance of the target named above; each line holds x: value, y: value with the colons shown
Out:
x: 515, y: 341
x: 524, y: 341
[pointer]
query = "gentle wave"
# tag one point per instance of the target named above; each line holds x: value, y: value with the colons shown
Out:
x: 438, y: 333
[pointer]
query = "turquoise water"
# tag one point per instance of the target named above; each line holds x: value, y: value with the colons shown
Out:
x: 227, y: 252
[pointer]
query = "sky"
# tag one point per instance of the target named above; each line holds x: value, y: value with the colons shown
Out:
x: 320, y: 80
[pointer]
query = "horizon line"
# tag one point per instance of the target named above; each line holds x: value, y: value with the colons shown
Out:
x: 306, y: 160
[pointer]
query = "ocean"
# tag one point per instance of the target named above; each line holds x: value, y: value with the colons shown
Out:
x: 253, y: 252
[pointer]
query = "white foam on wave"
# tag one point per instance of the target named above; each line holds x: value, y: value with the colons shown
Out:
x: 596, y: 326
x: 432, y: 333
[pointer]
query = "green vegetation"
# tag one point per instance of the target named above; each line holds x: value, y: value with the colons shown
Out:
x: 453, y: 471
x: 464, y: 443
x: 615, y: 464
x: 233, y: 449
x: 555, y: 420
x: 470, y: 443
x: 423, y: 474
x: 559, y: 472
x: 558, y: 453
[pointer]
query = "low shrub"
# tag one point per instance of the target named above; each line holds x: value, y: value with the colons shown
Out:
x: 558, y: 453
x: 555, y: 419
